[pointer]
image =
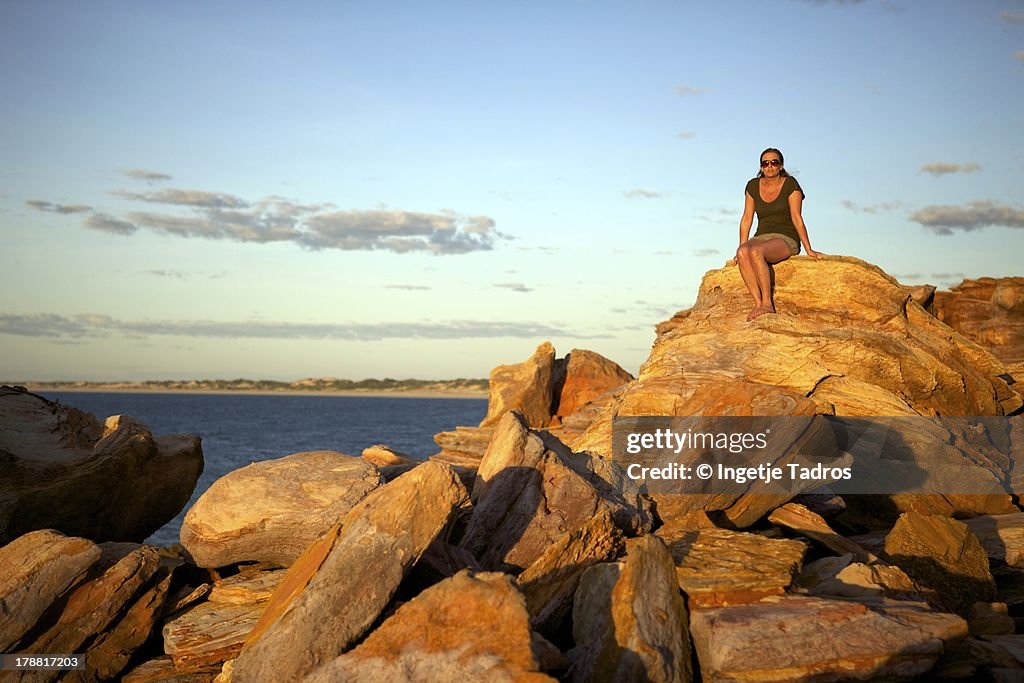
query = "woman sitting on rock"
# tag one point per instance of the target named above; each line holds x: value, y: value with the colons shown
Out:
x: 776, y: 198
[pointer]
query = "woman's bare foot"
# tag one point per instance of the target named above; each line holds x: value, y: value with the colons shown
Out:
x: 761, y: 310
x: 753, y: 313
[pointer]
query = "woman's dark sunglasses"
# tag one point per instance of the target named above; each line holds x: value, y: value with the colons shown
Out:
x: 770, y: 162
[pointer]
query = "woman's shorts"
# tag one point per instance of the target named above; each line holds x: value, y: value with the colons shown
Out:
x: 794, y: 246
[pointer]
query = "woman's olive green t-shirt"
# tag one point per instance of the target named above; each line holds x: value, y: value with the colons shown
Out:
x: 775, y: 217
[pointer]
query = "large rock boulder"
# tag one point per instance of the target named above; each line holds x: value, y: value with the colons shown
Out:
x: 470, y: 627
x: 524, y: 387
x: 631, y: 620
x: 989, y: 311
x: 61, y: 469
x: 272, y: 510
x: 336, y: 590
x: 943, y: 554
x: 531, y: 489
x: 583, y: 376
x: 847, y: 340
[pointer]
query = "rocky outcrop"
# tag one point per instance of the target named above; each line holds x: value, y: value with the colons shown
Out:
x: 471, y: 627
x: 61, y: 469
x: 272, y: 510
x: 989, y: 311
x: 597, y: 584
x: 530, y: 490
x: 847, y: 340
x: 324, y: 604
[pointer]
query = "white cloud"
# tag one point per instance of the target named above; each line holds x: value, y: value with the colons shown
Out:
x: 142, y: 174
x: 40, y: 205
x: 872, y: 208
x: 514, y: 286
x: 687, y: 90
x: 940, y: 168
x: 944, y: 219
x: 640, y: 193
x: 194, y: 198
x: 105, y: 223
x: 216, y: 215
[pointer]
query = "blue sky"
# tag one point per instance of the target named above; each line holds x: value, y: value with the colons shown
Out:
x: 430, y: 189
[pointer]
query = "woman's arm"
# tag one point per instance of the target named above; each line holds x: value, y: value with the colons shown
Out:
x: 747, y: 219
x: 796, y: 202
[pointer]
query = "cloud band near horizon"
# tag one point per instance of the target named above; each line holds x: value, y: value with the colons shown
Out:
x: 97, y: 326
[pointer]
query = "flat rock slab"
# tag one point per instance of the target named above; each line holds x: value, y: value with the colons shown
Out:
x: 209, y: 633
x: 788, y: 638
x: 271, y: 510
x: 162, y: 670
x: 1002, y: 536
x: 723, y: 567
x: 859, y: 580
x: 798, y: 518
x: 335, y: 592
x: 246, y: 588
x: 638, y: 628
x: 470, y: 627
x: 943, y: 554
x: 464, y: 446
x: 65, y: 470
x: 37, y: 568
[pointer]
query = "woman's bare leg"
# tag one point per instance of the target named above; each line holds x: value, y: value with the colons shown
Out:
x: 766, y: 252
x: 744, y: 259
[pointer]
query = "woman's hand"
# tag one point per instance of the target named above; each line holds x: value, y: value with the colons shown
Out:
x: 813, y: 254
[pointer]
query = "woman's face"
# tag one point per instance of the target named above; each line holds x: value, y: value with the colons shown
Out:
x: 771, y: 164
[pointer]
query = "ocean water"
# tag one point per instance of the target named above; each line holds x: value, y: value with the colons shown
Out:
x: 238, y: 429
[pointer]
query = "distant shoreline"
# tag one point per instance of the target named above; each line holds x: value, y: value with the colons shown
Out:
x: 369, y: 393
